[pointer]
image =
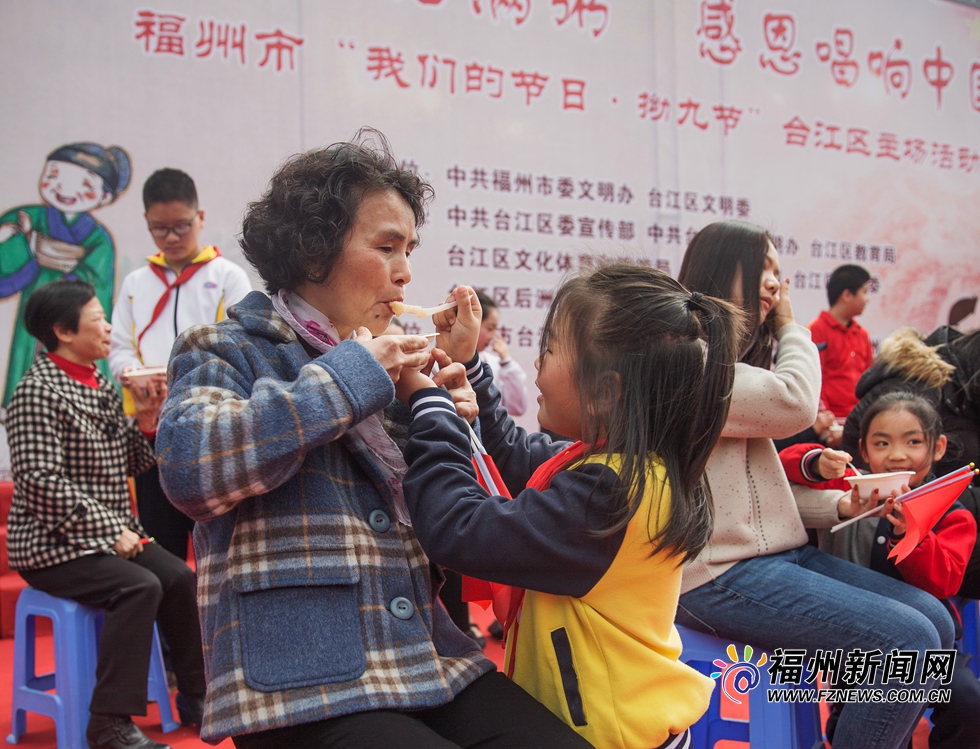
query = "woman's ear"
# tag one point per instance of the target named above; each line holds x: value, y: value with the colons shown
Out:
x: 940, y: 449
x: 64, y: 335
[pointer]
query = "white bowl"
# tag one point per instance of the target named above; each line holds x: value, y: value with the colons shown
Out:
x: 885, y: 483
x: 138, y: 374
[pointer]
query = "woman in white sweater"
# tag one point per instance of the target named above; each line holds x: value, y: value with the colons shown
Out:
x: 758, y: 581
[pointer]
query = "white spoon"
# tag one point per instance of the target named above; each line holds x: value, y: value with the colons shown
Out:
x: 400, y: 308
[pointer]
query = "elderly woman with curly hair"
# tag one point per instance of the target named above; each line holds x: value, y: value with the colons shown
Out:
x: 281, y: 437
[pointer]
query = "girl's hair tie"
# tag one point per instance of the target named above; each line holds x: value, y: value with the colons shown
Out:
x: 694, y: 301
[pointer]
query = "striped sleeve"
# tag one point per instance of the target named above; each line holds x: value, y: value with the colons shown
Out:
x: 431, y: 400
x: 477, y: 371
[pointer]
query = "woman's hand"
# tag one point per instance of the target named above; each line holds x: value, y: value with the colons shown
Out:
x: 822, y: 424
x: 452, y: 376
x: 459, y: 328
x: 832, y: 463
x: 149, y: 393
x: 128, y: 545
x: 782, y: 313
x: 395, y: 353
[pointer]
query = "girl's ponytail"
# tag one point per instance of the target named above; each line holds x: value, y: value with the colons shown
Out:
x: 686, y: 445
x: 655, y: 365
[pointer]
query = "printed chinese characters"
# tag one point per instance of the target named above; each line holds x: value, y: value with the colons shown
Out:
x: 886, y: 146
x: 163, y: 34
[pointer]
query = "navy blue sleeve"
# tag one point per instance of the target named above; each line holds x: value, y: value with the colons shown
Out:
x: 542, y: 540
x: 516, y: 452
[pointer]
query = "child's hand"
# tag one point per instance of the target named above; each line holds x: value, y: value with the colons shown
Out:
x: 895, y: 515
x: 500, y: 348
x: 832, y: 463
x: 410, y: 381
x: 452, y: 376
x: 851, y: 504
x: 459, y: 328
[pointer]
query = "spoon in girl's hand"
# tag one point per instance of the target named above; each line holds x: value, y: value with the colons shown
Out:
x: 400, y: 308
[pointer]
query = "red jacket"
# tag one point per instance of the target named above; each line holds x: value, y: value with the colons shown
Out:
x: 936, y: 565
x: 845, y: 353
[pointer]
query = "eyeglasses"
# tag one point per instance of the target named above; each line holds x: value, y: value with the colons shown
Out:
x: 161, y: 232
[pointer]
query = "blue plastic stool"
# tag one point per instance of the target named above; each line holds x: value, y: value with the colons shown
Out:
x: 76, y: 631
x: 771, y: 725
x: 969, y: 612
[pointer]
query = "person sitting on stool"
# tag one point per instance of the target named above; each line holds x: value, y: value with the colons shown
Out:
x: 71, y: 529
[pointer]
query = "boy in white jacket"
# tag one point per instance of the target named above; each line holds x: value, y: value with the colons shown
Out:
x: 182, y: 285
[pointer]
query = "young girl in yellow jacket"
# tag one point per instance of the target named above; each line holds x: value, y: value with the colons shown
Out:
x: 638, y: 372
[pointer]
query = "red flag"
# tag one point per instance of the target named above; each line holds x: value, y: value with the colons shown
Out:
x: 508, y: 599
x: 483, y: 592
x: 926, y: 505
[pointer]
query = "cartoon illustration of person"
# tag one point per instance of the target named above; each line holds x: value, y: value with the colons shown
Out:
x: 60, y: 239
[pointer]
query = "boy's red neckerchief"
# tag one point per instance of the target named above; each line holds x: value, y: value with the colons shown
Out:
x: 157, y: 264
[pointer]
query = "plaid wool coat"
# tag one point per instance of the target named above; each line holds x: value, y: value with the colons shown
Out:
x: 71, y: 450
x: 315, y: 601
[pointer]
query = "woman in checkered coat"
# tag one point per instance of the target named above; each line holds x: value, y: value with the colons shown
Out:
x: 71, y: 529
x: 281, y: 437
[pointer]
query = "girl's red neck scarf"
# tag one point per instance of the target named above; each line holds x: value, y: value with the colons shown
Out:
x: 82, y: 373
x: 508, y: 599
x: 541, y: 478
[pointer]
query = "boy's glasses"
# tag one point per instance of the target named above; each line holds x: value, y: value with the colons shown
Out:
x: 161, y: 232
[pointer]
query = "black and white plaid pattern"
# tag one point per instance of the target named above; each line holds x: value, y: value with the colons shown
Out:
x: 71, y: 450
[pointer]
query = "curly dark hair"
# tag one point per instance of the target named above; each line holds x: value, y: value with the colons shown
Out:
x: 297, y: 230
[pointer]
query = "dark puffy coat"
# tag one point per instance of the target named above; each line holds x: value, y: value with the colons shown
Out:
x: 948, y: 376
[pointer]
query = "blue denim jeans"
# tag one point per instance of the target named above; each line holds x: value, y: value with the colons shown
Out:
x: 805, y: 598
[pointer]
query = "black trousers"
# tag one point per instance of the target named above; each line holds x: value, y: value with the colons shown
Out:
x: 164, y: 522
x: 491, y: 713
x: 133, y: 593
